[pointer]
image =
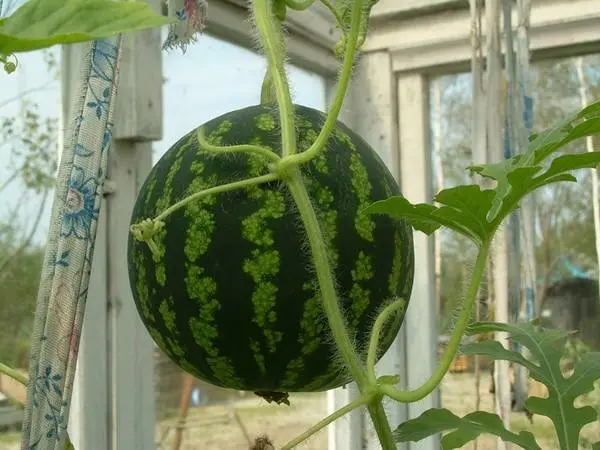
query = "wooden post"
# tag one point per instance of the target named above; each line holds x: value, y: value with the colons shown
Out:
x: 113, y: 398
x: 184, y: 406
x: 371, y: 110
x: 420, y: 323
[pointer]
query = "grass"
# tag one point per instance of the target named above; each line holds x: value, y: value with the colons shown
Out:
x: 214, y: 427
x: 11, y: 437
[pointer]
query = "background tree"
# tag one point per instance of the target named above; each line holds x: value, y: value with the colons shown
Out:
x: 28, y: 149
x: 564, y: 216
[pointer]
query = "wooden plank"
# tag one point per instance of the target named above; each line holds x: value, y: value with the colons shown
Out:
x: 138, y: 108
x: 129, y: 349
x: 370, y: 110
x: 315, y: 24
x: 416, y: 181
x: 88, y: 427
x: 386, y: 9
x: 374, y: 106
x: 230, y: 21
x: 441, y: 42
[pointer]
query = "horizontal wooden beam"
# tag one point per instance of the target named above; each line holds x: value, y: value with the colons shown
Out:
x: 311, y: 34
x: 441, y: 42
x: 388, y: 9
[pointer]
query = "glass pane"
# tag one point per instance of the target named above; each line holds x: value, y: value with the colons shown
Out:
x: 214, y: 77
x: 565, y: 258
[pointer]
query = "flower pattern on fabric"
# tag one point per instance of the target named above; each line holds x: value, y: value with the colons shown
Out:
x: 80, y: 205
x: 47, y: 393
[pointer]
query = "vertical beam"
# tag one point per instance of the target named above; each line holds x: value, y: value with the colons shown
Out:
x: 416, y: 181
x: 113, y: 398
x: 129, y: 350
x: 88, y: 426
x: 347, y: 432
x: 370, y: 110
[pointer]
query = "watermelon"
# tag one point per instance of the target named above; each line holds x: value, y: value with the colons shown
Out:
x: 234, y: 299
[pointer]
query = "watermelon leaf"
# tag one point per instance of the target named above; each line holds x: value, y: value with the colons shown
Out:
x: 470, y: 211
x: 43, y: 23
x: 541, y: 146
x: 546, y: 347
x: 463, y: 429
x: 463, y: 210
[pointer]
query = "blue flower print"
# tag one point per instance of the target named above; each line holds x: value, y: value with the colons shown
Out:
x: 80, y: 209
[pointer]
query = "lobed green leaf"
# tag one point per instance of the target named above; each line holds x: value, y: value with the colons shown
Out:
x: 43, y: 23
x: 477, y: 213
x: 546, y: 348
x: 462, y: 429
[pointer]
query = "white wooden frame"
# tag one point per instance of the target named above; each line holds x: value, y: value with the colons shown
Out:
x: 388, y: 105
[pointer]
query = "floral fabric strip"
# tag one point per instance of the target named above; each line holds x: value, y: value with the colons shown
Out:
x: 67, y: 261
x: 68, y: 258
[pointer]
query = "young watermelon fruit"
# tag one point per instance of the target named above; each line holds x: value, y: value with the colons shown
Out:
x: 234, y: 298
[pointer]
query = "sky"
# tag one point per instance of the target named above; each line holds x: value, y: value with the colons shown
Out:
x: 211, y: 78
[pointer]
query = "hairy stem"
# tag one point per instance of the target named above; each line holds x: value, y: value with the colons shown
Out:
x: 272, y: 40
x: 326, y: 421
x: 267, y: 93
x: 146, y: 230
x: 374, y: 340
x: 244, y: 148
x: 299, y: 5
x: 217, y: 190
x: 332, y: 307
x: 338, y: 18
x: 343, y: 82
x: 12, y: 373
x: 325, y: 277
x: 453, y: 345
x: 381, y: 424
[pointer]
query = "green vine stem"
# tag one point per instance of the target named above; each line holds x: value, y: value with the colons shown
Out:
x: 299, y: 5
x: 217, y: 190
x: 272, y: 40
x: 325, y: 277
x: 374, y: 340
x: 381, y: 423
x: 361, y: 401
x: 267, y: 93
x: 453, y: 344
x: 9, y: 66
x: 244, y: 148
x: 12, y: 373
x: 288, y: 167
x: 146, y: 230
x: 343, y: 82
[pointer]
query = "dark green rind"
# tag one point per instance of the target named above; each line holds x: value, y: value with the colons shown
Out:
x: 239, y: 353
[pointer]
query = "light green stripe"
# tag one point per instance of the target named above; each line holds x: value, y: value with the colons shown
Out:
x: 263, y: 264
x: 200, y: 287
